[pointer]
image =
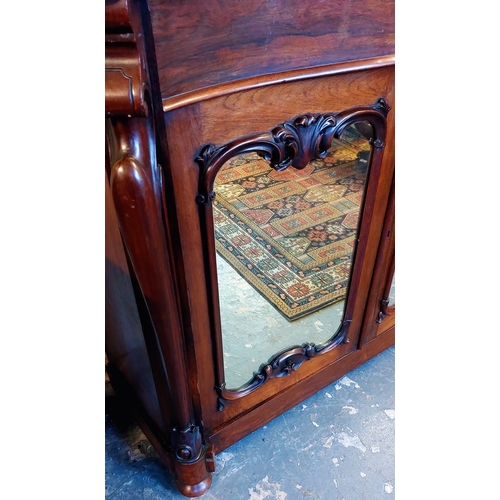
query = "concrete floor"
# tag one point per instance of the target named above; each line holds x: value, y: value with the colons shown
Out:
x: 338, y: 445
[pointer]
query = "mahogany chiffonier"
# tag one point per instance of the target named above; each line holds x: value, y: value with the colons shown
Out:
x: 249, y: 211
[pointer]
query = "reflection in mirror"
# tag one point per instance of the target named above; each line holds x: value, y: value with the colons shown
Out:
x: 392, y: 292
x: 285, y: 244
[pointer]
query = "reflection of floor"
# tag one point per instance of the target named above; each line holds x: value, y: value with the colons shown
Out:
x: 253, y: 330
x: 392, y: 292
x: 337, y: 444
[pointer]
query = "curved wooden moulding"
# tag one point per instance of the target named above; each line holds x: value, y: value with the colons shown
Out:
x: 185, y: 99
x: 125, y: 78
x: 294, y: 143
x: 136, y: 183
x: 133, y: 178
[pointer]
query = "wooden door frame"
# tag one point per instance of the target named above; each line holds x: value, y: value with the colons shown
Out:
x: 196, y: 262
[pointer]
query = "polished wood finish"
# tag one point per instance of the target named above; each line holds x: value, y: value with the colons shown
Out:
x: 205, y: 44
x: 379, y: 317
x: 387, y: 248
x: 263, y: 108
x: 119, y: 18
x: 188, y: 86
x: 136, y: 183
x: 191, y: 97
x: 195, y: 232
x: 125, y: 342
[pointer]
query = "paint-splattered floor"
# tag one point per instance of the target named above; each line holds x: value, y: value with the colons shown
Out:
x: 338, y: 444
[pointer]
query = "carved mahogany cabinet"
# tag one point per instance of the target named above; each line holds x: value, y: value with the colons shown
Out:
x: 213, y: 109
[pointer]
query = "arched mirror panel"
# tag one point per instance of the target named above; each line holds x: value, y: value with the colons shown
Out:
x: 285, y: 242
x: 283, y: 212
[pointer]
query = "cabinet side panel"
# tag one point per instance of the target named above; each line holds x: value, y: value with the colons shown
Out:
x: 125, y: 345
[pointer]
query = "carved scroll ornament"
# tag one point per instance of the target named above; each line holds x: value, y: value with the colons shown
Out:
x: 294, y: 143
x: 282, y: 365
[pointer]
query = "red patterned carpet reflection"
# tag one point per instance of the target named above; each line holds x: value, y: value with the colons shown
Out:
x: 291, y: 234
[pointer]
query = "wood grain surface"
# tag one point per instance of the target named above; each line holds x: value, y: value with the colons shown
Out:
x: 202, y: 44
x: 259, y: 109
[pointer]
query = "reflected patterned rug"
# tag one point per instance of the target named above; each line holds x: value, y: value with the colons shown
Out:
x: 291, y: 234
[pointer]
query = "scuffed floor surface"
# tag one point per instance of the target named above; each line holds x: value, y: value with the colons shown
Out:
x: 338, y: 444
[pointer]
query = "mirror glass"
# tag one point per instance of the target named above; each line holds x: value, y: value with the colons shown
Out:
x: 392, y: 292
x: 285, y: 244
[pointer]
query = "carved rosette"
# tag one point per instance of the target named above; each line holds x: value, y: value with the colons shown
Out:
x: 186, y: 444
x: 296, y: 143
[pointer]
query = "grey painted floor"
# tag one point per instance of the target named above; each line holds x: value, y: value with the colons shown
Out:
x: 245, y: 349
x: 338, y: 444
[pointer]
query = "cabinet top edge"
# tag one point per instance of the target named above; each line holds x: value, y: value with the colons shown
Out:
x: 201, y: 45
x: 204, y: 94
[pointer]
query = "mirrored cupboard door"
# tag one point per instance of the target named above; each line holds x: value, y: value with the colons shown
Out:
x: 250, y: 161
x: 380, y: 314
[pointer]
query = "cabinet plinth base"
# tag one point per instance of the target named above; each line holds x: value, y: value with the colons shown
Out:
x: 193, y: 479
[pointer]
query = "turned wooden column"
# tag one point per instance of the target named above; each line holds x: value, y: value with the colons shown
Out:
x: 136, y: 184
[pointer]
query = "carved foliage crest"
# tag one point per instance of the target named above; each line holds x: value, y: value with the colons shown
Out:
x: 296, y: 142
